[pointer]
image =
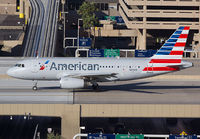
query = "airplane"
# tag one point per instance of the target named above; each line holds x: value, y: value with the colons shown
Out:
x: 76, y: 73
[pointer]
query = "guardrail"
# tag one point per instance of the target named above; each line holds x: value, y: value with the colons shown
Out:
x: 145, y: 135
x: 192, y: 51
x: 195, y: 53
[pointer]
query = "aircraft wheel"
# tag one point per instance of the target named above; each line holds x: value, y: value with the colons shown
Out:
x: 95, y: 87
x: 34, y: 88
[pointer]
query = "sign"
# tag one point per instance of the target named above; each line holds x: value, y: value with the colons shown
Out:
x: 96, y: 53
x: 85, y: 42
x: 111, y: 52
x: 183, y: 133
x: 182, y: 137
x: 125, y: 136
x: 118, y: 19
x: 109, y: 17
x: 101, y: 136
x: 145, y: 53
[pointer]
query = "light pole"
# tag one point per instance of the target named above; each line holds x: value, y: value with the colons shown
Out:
x: 63, y: 12
x: 78, y: 33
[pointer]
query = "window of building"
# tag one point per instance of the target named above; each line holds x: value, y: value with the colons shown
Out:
x: 71, y: 6
x: 106, y: 6
x: 102, y: 6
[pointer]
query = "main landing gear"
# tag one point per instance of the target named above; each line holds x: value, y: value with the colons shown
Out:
x: 35, y: 86
x: 95, y: 86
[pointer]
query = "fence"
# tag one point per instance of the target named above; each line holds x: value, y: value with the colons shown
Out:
x: 131, y: 53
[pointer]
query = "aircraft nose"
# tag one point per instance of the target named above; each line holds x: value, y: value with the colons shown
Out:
x: 11, y: 72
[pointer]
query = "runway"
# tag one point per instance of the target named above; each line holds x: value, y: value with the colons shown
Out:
x: 145, y: 91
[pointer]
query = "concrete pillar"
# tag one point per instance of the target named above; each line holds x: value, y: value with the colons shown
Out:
x: 144, y: 34
x: 70, y: 123
x: 141, y: 40
x: 133, y: 39
x: 144, y: 40
x: 27, y: 10
x: 138, y: 39
x: 198, y: 49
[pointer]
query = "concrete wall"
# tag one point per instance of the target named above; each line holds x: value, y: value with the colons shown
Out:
x: 7, y: 6
x: 8, y: 45
x: 71, y: 113
x: 139, y: 110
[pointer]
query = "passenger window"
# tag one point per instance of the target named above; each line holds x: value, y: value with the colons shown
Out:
x: 22, y: 65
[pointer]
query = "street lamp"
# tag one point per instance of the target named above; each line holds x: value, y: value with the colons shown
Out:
x: 64, y: 16
x: 82, y: 127
x: 78, y: 33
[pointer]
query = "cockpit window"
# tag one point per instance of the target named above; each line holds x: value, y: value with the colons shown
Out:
x: 20, y: 65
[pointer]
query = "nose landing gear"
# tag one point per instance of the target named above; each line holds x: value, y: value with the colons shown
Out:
x: 35, y: 86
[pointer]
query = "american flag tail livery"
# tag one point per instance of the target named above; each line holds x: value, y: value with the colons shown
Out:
x: 168, y: 57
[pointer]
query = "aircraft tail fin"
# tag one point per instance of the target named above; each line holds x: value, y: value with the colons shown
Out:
x: 172, y: 49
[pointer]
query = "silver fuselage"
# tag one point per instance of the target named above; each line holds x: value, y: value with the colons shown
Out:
x: 56, y: 68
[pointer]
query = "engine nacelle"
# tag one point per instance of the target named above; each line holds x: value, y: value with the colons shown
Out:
x: 72, y: 83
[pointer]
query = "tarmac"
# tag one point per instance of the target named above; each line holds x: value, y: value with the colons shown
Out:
x: 180, y: 87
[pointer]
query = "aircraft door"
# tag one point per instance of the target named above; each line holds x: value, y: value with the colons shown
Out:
x: 35, y: 66
x: 150, y: 68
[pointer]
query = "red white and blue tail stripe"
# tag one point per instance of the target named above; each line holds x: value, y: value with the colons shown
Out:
x: 171, y: 52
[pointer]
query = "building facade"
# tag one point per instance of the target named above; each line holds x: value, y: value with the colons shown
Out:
x: 143, y: 15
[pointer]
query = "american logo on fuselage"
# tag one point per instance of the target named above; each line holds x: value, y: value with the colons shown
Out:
x: 79, y: 66
x: 44, y: 65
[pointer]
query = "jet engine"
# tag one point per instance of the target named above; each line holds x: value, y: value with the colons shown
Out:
x: 72, y: 83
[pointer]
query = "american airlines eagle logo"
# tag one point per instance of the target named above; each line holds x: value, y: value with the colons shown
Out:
x: 42, y: 67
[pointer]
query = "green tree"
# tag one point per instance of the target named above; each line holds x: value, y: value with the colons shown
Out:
x: 87, y: 11
x: 52, y: 136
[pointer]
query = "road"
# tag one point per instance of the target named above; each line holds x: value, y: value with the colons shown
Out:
x: 32, y: 35
x: 41, y: 32
x: 49, y: 29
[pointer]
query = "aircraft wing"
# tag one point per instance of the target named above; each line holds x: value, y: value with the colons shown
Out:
x: 90, y: 75
x: 94, y: 75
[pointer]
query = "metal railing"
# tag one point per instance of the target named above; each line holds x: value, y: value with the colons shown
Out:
x: 127, y: 51
x: 145, y: 135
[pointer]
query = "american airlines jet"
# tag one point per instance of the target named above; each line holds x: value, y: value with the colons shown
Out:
x: 78, y: 72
